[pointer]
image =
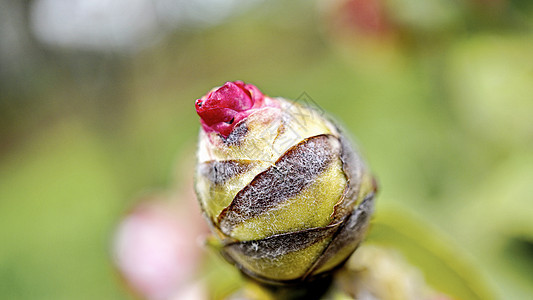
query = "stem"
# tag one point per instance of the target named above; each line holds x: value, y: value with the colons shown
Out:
x: 313, y: 289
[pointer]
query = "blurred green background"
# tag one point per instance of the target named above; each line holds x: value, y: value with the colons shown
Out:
x: 96, y: 108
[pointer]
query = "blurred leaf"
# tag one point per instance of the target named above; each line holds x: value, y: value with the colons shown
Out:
x: 445, y: 267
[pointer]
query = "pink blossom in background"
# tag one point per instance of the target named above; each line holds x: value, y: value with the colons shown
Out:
x: 157, y: 249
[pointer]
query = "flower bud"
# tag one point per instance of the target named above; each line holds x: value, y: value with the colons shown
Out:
x: 281, y: 186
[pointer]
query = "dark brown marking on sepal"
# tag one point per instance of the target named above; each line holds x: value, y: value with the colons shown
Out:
x: 281, y: 244
x: 218, y: 172
x: 236, y: 135
x: 353, y: 168
x: 291, y: 283
x: 296, y: 169
x: 350, y: 233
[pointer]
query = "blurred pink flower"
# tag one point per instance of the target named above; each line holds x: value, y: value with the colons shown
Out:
x: 358, y: 17
x: 157, y: 248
